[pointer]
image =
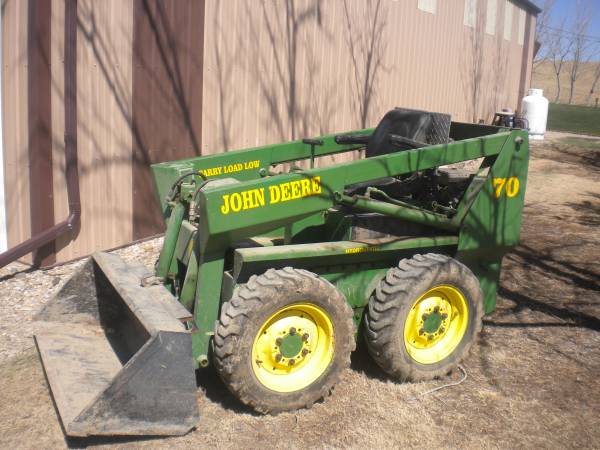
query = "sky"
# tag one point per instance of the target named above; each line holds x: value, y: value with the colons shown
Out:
x: 563, y: 11
x: 565, y: 8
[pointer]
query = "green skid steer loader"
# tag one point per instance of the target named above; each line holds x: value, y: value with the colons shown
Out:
x: 270, y: 274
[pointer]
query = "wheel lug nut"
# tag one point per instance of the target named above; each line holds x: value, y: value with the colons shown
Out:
x: 425, y: 316
x: 305, y: 337
x: 442, y: 329
x: 278, y: 341
x: 304, y: 352
x: 278, y: 357
x: 292, y: 362
x: 430, y: 337
x: 436, y: 309
x: 292, y: 331
x: 444, y: 316
x: 421, y: 331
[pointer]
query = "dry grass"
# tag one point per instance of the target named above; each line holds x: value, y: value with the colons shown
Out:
x: 533, y: 378
x: 543, y: 77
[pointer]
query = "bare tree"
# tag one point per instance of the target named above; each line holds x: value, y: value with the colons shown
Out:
x: 595, y: 79
x: 581, y: 42
x: 560, y: 44
x: 475, y: 65
x: 543, y: 33
x: 366, y: 43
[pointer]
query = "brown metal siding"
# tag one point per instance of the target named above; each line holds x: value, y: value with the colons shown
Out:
x: 167, y: 96
x: 104, y: 68
x: 265, y: 72
x: 15, y: 114
x: 271, y: 64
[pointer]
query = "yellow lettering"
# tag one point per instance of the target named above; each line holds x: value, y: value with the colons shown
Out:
x: 254, y: 198
x: 316, y: 185
x: 512, y: 187
x: 211, y: 172
x: 509, y: 185
x: 259, y: 196
x: 235, y: 202
x: 225, y: 205
x: 247, y: 200
x: 362, y: 250
x: 305, y: 187
x: 274, y: 194
x: 285, y: 192
x: 296, y: 193
x: 498, y: 185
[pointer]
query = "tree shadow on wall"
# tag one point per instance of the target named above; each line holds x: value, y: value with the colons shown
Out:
x: 166, y: 127
x: 472, y: 63
x: 364, y: 37
x: 279, y: 50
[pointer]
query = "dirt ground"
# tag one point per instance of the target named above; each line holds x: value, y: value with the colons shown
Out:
x: 533, y: 380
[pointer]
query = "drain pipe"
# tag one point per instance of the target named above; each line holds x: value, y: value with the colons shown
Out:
x: 3, y: 235
x: 72, y: 176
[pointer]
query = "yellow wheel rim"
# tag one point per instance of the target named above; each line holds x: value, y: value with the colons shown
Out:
x: 436, y: 324
x: 293, y: 348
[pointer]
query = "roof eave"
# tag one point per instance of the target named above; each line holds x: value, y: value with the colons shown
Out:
x: 529, y: 6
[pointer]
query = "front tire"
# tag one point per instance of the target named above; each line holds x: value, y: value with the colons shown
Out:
x: 424, y: 317
x: 283, y: 340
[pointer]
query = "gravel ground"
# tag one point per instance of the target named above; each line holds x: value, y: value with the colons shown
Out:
x: 25, y: 291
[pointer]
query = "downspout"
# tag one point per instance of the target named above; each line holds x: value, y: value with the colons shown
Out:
x: 3, y: 233
x: 71, y: 173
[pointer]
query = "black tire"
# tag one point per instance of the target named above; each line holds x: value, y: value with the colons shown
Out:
x: 393, y: 300
x: 250, y: 308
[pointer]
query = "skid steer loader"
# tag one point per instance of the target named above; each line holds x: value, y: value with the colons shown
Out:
x: 270, y: 274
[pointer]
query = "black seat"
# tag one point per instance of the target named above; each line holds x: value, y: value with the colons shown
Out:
x: 411, y: 124
x: 400, y: 129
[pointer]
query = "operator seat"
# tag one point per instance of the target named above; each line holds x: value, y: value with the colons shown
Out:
x: 400, y: 129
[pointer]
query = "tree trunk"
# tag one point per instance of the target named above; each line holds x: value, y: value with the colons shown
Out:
x: 588, y: 101
x: 571, y: 90
x: 557, y: 98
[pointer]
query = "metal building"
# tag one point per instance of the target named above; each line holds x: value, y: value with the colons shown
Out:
x: 151, y: 80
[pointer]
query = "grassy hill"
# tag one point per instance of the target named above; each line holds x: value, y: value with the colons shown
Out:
x: 574, y: 119
x: 543, y: 78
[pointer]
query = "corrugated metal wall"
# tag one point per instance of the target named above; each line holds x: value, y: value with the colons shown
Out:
x: 16, y: 132
x: 104, y: 111
x: 271, y: 71
x: 280, y: 70
x: 167, y: 96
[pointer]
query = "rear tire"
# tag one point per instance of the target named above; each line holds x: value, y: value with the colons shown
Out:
x: 283, y: 340
x: 424, y: 317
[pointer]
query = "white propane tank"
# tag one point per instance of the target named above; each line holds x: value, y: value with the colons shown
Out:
x: 534, y: 108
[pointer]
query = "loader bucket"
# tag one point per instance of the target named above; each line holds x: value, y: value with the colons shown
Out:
x: 116, y: 355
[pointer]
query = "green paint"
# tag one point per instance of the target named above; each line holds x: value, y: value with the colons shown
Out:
x: 432, y: 323
x: 400, y: 212
x: 291, y: 345
x: 208, y: 301
x: 168, y: 249
x: 242, y: 228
